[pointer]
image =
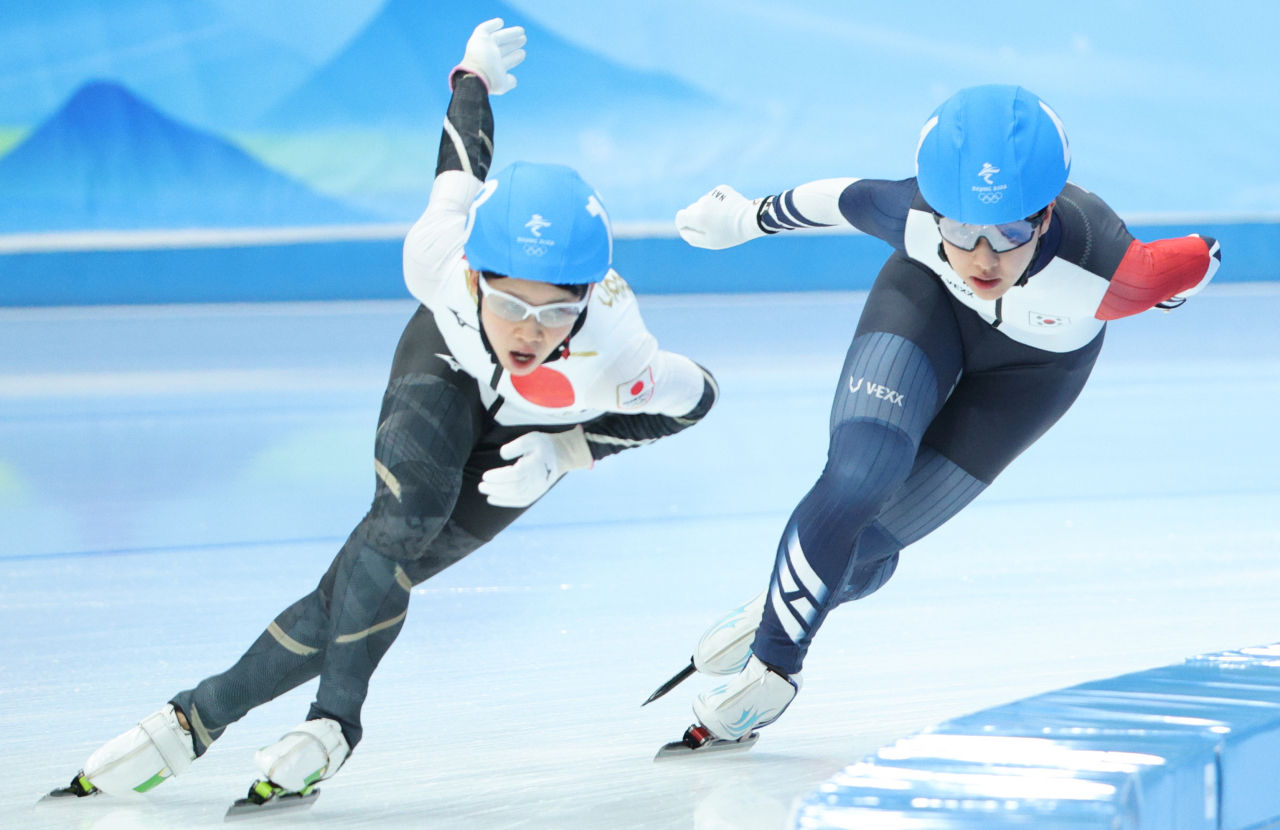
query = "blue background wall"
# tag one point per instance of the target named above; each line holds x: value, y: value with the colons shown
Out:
x: 370, y: 269
x: 144, y: 114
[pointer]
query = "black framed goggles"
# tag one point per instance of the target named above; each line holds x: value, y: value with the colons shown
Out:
x: 1001, y: 238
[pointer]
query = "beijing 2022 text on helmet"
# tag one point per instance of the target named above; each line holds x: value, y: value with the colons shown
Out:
x: 539, y: 222
x: 992, y: 154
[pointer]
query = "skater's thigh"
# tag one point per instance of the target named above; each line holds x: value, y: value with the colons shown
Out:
x: 909, y: 303
x: 474, y: 521
x: 1002, y: 406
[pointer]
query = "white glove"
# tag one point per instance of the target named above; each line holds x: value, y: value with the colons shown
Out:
x: 721, y: 219
x: 492, y: 52
x: 544, y: 458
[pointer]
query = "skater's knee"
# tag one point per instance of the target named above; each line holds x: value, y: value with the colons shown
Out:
x: 875, y: 560
x: 399, y: 537
x: 867, y: 461
x: 865, y: 581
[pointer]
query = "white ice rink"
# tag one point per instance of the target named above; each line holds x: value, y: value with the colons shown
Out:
x: 170, y: 479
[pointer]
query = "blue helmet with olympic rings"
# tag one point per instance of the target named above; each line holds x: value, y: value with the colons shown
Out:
x: 992, y: 154
x: 539, y: 222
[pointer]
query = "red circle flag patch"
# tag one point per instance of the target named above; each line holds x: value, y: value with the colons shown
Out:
x: 544, y: 387
x: 636, y: 392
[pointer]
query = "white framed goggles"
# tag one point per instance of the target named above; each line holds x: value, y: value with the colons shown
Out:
x: 1001, y: 238
x: 513, y: 309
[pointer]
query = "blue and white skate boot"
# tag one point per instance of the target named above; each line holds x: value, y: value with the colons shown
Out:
x: 730, y: 715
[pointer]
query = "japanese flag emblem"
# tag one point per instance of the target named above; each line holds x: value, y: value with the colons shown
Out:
x: 1049, y: 321
x: 636, y: 392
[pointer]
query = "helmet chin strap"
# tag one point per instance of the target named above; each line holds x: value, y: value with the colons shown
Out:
x: 1035, y: 255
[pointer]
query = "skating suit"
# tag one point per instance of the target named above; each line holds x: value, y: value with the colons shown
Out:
x: 941, y: 390
x: 447, y: 411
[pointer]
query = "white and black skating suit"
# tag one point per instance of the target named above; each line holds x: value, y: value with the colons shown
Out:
x: 448, y: 409
x: 941, y: 390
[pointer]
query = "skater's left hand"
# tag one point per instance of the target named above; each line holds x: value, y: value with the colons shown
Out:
x: 543, y: 459
x: 492, y: 52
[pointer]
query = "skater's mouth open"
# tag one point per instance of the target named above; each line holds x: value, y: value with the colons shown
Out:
x: 525, y: 320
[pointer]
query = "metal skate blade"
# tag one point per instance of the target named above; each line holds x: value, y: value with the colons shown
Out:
x: 63, y: 793
x: 679, y: 749
x: 244, y: 808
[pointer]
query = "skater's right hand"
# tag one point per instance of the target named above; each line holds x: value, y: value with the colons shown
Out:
x: 721, y: 219
x: 492, y: 52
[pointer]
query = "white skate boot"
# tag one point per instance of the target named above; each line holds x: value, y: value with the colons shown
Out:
x: 729, y: 715
x: 756, y: 697
x: 724, y: 648
x: 140, y: 759
x: 292, y: 766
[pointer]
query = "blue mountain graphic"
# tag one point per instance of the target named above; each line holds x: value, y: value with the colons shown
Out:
x: 396, y: 72
x: 107, y: 159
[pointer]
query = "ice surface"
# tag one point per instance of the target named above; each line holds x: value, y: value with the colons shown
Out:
x: 171, y: 478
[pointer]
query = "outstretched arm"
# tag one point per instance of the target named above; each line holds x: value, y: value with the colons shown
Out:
x: 683, y: 393
x: 672, y: 394
x: 1160, y: 274
x: 724, y: 217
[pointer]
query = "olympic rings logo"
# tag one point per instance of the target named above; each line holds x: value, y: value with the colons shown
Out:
x: 990, y: 198
x: 534, y: 250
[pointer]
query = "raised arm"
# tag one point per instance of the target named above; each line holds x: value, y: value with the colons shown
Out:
x: 466, y: 150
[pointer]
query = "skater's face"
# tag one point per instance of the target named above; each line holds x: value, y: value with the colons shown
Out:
x: 991, y: 274
x: 522, y: 345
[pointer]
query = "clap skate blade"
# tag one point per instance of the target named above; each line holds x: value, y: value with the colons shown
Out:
x: 266, y: 798
x: 698, y: 740
x: 78, y: 788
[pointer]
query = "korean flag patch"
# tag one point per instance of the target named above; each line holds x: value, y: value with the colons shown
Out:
x: 1048, y: 321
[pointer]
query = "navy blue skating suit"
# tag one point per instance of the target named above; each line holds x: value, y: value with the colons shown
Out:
x: 941, y: 390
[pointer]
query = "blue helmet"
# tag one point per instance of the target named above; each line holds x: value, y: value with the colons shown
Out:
x: 992, y: 154
x: 539, y: 222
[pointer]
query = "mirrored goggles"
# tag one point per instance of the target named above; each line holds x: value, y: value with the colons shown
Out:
x: 514, y: 309
x: 1001, y: 238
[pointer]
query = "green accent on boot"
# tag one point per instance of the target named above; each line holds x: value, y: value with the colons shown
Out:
x: 150, y: 783
x: 83, y: 785
x: 262, y: 791
x: 315, y: 776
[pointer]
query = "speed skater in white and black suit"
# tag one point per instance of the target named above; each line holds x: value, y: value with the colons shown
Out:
x: 978, y: 334
x: 527, y: 348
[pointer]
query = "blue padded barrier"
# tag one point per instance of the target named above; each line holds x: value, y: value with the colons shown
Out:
x: 369, y: 268
x: 1195, y: 745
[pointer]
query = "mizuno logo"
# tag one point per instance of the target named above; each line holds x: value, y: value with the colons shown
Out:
x: 451, y: 360
x: 882, y: 392
x: 536, y: 224
x: 987, y: 172
x: 461, y: 322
